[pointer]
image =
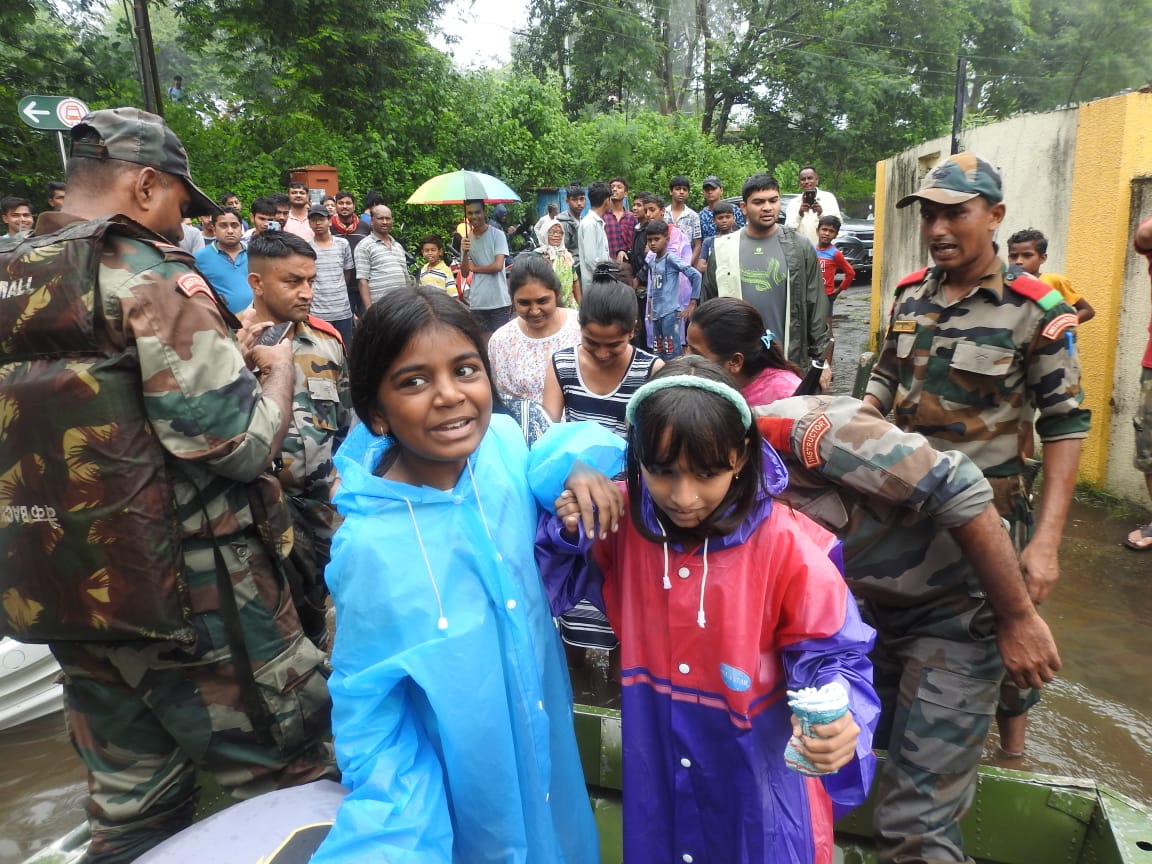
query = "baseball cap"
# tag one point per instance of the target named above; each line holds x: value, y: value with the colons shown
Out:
x: 318, y: 210
x: 712, y: 180
x: 959, y: 178
x: 132, y: 135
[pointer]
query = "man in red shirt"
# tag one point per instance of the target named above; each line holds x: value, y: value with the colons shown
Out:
x: 619, y: 221
x: 1141, y: 538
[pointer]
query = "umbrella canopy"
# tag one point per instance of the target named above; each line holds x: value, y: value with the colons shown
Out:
x: 457, y: 187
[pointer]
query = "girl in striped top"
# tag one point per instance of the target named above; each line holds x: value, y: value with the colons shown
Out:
x: 594, y: 381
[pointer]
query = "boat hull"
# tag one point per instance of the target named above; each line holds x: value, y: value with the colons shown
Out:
x: 29, y: 683
x: 1017, y: 817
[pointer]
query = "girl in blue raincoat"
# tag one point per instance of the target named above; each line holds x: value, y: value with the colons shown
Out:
x: 452, y: 709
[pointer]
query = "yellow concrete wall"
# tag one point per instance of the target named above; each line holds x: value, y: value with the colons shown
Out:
x: 1071, y: 174
x: 1114, y: 145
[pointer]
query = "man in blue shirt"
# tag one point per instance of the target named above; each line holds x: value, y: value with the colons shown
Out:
x: 224, y: 261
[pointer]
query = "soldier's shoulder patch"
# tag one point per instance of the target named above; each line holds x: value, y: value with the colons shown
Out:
x: 191, y: 284
x: 1058, y: 325
x: 810, y: 444
x: 913, y: 278
x: 1040, y: 293
x: 324, y: 327
x: 777, y: 431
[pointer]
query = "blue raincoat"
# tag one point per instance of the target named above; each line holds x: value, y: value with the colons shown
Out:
x: 452, y: 710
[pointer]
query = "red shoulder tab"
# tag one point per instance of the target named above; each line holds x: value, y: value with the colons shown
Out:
x: 777, y: 431
x: 324, y: 327
x: 191, y: 284
x: 1027, y: 286
x: 913, y: 278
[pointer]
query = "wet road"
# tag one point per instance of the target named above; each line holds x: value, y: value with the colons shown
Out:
x: 1094, y: 721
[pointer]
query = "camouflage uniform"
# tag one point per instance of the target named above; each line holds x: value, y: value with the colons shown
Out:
x: 145, y: 714
x: 891, y: 498
x: 321, y: 414
x: 968, y: 375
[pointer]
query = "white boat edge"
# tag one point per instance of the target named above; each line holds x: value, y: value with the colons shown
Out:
x: 30, y: 685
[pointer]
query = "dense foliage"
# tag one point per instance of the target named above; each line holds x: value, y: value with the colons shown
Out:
x: 645, y: 88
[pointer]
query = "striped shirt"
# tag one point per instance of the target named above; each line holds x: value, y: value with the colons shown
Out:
x: 330, y: 291
x: 607, y: 409
x: 439, y: 277
x: 382, y: 264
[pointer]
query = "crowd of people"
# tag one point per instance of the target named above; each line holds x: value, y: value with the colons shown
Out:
x: 597, y: 447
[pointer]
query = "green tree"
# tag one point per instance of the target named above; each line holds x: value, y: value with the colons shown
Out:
x: 53, y: 49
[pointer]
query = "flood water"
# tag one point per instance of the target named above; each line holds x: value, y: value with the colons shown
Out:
x: 1095, y: 720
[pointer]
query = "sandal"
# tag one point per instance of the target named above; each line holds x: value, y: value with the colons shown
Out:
x: 1143, y: 541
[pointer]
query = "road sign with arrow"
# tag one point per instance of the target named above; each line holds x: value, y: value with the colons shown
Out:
x: 51, y: 113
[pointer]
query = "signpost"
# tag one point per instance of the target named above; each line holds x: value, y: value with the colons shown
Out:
x: 52, y: 114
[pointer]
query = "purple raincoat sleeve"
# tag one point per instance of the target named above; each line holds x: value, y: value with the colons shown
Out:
x: 842, y: 657
x: 569, y: 573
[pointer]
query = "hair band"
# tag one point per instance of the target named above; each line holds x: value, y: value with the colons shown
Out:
x: 715, y: 387
x: 767, y: 339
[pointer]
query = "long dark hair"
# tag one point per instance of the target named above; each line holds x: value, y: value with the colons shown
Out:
x: 388, y: 326
x: 705, y: 430
x: 733, y: 326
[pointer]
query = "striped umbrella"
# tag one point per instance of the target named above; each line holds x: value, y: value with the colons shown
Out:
x: 456, y: 187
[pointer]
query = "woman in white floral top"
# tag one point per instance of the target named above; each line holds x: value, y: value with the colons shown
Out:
x: 521, y: 350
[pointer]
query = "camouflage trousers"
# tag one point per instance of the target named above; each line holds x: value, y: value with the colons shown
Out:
x: 1015, y: 508
x: 145, y: 716
x: 937, y: 672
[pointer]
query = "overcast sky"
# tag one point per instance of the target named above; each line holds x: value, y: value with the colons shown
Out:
x: 485, y: 29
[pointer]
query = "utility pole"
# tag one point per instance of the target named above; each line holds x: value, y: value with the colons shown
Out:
x: 958, y: 103
x: 149, y: 78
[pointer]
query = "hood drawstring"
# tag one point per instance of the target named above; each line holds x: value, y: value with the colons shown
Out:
x: 664, y: 534
x: 701, y: 620
x: 483, y: 517
x: 442, y: 621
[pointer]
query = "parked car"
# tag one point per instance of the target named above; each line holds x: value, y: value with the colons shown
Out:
x: 855, y: 241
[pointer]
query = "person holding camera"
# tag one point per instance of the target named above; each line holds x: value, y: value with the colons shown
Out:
x: 804, y: 211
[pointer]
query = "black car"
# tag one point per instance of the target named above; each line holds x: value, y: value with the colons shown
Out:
x: 855, y: 241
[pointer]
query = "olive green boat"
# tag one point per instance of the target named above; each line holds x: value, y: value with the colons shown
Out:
x: 1018, y: 817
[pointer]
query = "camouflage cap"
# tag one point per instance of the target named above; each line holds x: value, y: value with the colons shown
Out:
x: 959, y: 178
x: 132, y: 135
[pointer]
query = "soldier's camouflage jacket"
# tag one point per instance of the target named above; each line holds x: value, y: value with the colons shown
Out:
x: 889, y: 496
x: 969, y: 373
x: 129, y: 424
x: 321, y: 415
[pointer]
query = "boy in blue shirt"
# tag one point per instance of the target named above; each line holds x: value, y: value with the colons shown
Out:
x: 673, y: 291
x: 724, y: 221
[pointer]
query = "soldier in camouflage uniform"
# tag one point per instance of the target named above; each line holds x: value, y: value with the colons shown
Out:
x: 281, y: 270
x: 937, y: 577
x: 971, y: 350
x: 131, y: 417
